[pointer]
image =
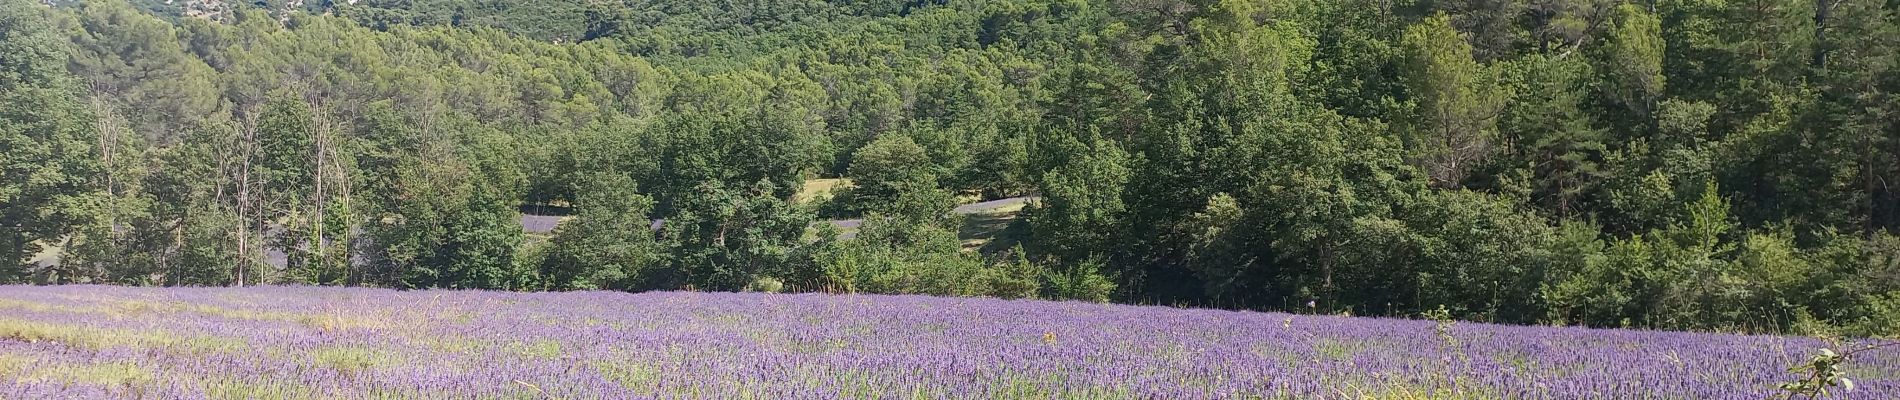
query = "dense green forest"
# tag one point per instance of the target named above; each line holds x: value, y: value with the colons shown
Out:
x: 1678, y: 164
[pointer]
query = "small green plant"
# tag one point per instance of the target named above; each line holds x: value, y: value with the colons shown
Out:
x: 1442, y: 327
x: 1824, y: 371
x: 1442, y: 316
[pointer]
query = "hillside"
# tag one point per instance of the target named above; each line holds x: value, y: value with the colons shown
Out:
x: 304, y: 342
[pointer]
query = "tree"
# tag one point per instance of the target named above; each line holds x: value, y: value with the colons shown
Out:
x: 1560, y: 27
x: 1491, y: 26
x: 1596, y: 285
x: 193, y: 239
x: 1692, y: 285
x: 47, y: 173
x: 895, y: 177
x: 735, y: 148
x: 1552, y: 134
x: 1081, y: 210
x: 1325, y: 208
x: 480, y: 231
x: 1857, y: 54
x: 1456, y: 103
x: 306, y: 187
x: 1474, y: 250
x: 442, y: 214
x: 730, y: 237
x: 118, y: 51
x: 608, y: 244
x: 1674, y: 278
x: 113, y: 247
x: 1632, y: 63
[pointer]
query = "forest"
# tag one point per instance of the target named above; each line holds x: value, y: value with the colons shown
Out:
x: 1713, y: 165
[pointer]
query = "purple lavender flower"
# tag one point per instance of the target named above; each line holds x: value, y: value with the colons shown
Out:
x: 303, y: 342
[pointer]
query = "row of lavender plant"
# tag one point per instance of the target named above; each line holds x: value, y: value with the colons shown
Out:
x: 290, y: 342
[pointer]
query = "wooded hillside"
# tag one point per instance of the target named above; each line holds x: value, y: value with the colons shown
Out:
x: 1685, y: 164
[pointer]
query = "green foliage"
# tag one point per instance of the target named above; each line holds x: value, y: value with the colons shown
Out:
x: 1632, y: 61
x: 1456, y: 101
x: 726, y: 238
x: 1554, y: 136
x: 894, y: 176
x: 1687, y: 165
x: 1877, y: 316
x: 1013, y: 277
x: 894, y: 256
x: 1596, y: 284
x: 1475, y: 251
x: 1082, y: 203
x: 447, y: 219
x: 563, y: 20
x: 608, y: 244
x: 49, y: 167
x: 1083, y: 281
x: 897, y: 256
x: 1824, y: 372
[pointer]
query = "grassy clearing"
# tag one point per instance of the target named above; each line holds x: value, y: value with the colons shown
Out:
x: 71, y: 336
x: 1337, y: 350
x: 337, y: 322
x: 992, y: 231
x: 819, y: 189
x: 49, y: 254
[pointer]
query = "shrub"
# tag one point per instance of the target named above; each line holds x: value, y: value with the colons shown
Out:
x: 1013, y: 278
x: 767, y: 285
x: 1082, y: 281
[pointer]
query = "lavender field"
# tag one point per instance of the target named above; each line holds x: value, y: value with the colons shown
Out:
x: 333, y: 343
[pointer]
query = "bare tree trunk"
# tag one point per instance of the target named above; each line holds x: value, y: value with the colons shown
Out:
x: 222, y: 179
x: 328, y: 168
x: 1326, y: 268
x: 109, y: 127
x: 247, y: 148
x: 350, y: 231
x: 317, y: 202
x: 1869, y: 228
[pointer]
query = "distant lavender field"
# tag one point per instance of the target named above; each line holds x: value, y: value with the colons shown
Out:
x: 283, y: 342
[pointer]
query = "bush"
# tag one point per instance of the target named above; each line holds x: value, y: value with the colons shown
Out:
x: 1013, y: 277
x: 1083, y: 281
x: 766, y: 285
x: 893, y: 256
x: 1878, y: 316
